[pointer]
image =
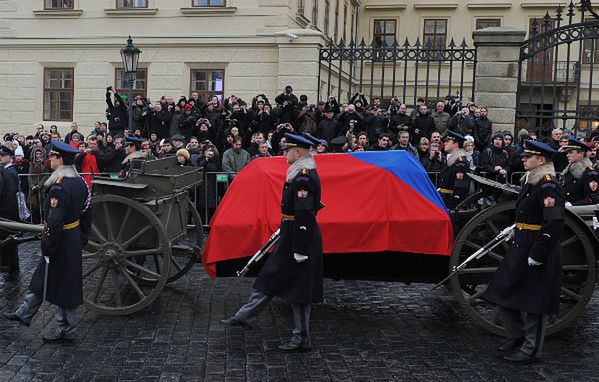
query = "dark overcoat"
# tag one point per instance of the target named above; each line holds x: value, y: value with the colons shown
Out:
x: 454, y: 183
x: 582, y: 191
x: 282, y: 275
x: 68, y: 201
x: 517, y: 285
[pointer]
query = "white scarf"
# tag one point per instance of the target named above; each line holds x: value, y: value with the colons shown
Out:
x: 294, y: 169
x: 62, y: 172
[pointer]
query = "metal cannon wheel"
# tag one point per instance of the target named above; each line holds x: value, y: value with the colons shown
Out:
x: 124, y: 232
x: 578, y: 268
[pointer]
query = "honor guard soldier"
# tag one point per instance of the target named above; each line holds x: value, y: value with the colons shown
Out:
x: 528, y: 280
x: 9, y: 185
x: 294, y: 271
x: 579, y: 179
x: 68, y: 217
x: 454, y: 183
x: 133, y: 151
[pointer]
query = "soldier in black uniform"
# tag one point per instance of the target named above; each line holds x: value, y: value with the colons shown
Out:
x: 579, y: 179
x: 133, y: 152
x: 294, y: 271
x: 454, y: 183
x: 9, y: 185
x: 68, y: 217
x: 528, y: 279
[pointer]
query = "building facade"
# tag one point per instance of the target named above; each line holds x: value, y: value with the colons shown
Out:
x: 57, y: 57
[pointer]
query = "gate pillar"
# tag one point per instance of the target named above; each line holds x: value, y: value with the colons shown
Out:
x: 496, y: 79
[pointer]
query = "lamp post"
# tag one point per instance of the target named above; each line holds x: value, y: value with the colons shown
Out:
x: 130, y: 56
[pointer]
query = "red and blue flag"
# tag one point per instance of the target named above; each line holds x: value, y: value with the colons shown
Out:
x: 374, y: 202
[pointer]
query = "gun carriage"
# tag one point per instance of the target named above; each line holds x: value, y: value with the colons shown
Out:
x: 145, y: 233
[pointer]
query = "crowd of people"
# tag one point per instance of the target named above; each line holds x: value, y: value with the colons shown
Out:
x: 225, y: 135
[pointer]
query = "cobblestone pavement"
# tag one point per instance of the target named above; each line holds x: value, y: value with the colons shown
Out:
x: 364, y: 331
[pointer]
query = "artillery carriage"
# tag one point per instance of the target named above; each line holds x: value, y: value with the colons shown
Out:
x: 145, y: 233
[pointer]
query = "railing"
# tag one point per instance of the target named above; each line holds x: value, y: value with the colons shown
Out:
x: 205, y: 197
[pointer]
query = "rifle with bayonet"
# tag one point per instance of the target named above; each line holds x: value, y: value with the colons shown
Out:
x: 261, y: 252
x: 500, y: 238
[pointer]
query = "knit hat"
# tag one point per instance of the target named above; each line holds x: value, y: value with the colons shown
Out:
x: 188, y: 107
x: 183, y: 152
x: 19, y: 151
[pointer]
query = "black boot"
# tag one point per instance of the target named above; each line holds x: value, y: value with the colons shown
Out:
x: 13, y: 317
x: 235, y: 322
x: 510, y: 345
x: 294, y: 347
x: 520, y: 358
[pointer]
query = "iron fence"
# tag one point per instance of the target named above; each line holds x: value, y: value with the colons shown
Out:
x: 407, y: 70
x: 557, y: 71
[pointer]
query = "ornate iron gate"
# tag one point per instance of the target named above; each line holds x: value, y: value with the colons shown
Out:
x: 558, y: 64
x: 406, y: 71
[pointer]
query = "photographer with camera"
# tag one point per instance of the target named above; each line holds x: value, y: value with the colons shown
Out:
x: 116, y: 112
x: 461, y: 122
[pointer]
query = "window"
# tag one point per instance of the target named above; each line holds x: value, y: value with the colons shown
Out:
x: 208, y: 3
x: 140, y: 86
x: 300, y: 6
x: 590, y: 53
x: 315, y: 13
x: 384, y: 31
x: 132, y: 3
x: 327, y: 14
x: 208, y: 83
x: 59, y: 4
x: 435, y: 33
x: 345, y: 22
x: 58, y: 94
x: 487, y: 23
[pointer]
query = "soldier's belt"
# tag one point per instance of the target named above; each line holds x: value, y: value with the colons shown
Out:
x: 287, y: 218
x: 445, y: 191
x: 530, y: 227
x: 72, y: 225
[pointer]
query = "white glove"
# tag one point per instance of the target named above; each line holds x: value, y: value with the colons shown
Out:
x: 533, y: 263
x: 300, y: 258
x: 568, y: 204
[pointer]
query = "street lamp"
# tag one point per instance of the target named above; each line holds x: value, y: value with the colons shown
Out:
x: 130, y: 56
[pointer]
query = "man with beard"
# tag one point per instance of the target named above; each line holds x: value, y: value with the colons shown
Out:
x: 483, y: 129
x: 579, y: 179
x: 235, y: 158
x: 528, y: 279
x: 454, y: 183
x: 294, y: 271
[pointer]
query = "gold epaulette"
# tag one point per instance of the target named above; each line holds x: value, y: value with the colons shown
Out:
x: 304, y: 171
x: 58, y: 180
x: 548, y: 177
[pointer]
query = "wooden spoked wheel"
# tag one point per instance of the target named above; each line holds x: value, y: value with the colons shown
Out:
x: 125, y: 234
x: 187, y: 251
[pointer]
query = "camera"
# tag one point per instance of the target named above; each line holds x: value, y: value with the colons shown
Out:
x: 109, y: 88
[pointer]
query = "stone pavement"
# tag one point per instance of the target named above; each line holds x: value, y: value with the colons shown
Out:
x: 364, y: 331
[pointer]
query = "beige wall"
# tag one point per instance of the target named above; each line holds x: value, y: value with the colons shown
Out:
x: 246, y: 38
